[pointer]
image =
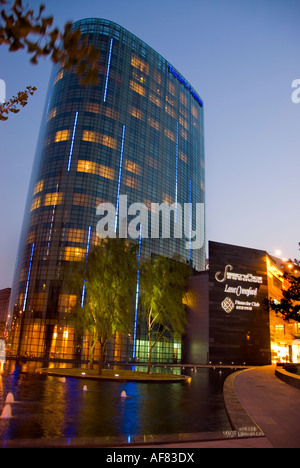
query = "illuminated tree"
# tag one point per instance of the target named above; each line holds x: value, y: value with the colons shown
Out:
x: 163, y: 286
x: 289, y: 307
x: 109, y: 284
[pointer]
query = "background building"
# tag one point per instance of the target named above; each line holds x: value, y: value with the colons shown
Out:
x: 139, y: 133
x: 4, y: 306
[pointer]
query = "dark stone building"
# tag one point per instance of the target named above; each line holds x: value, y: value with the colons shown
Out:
x: 228, y: 316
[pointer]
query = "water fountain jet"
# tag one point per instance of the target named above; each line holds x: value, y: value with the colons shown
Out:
x: 6, y: 413
x: 10, y: 398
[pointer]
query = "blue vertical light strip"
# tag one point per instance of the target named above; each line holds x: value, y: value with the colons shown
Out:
x: 120, y: 176
x: 176, y: 175
x: 52, y: 219
x: 108, y: 68
x: 137, y: 296
x: 28, y: 277
x: 190, y: 256
x: 86, y: 259
x: 72, y: 142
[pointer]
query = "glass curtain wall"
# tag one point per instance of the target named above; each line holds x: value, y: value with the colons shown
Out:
x: 138, y: 133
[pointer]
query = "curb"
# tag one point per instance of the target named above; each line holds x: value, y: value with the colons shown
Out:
x: 239, y: 418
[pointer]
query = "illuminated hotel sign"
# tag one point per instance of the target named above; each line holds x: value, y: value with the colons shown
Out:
x: 185, y: 84
x: 229, y: 304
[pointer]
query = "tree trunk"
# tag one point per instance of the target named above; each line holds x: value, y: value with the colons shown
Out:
x: 92, y: 351
x: 101, y: 357
x: 150, y: 355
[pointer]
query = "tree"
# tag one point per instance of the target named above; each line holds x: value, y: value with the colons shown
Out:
x: 20, y: 100
x: 289, y: 306
x: 163, y: 286
x: 21, y: 28
x: 109, y: 284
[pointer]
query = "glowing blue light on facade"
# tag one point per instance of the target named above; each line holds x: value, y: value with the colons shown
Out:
x: 120, y: 176
x: 28, y: 278
x: 176, y: 175
x: 72, y: 142
x: 137, y: 296
x: 86, y: 259
x: 190, y: 218
x: 108, y: 68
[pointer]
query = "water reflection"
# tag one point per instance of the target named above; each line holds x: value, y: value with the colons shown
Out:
x: 50, y: 407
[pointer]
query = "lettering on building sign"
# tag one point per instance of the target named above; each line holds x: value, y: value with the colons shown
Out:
x: 185, y: 84
x: 229, y: 304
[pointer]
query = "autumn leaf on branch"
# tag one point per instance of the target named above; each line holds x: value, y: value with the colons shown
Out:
x: 21, y: 28
x: 12, y: 105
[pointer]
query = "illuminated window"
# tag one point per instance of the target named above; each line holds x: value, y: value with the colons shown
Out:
x: 137, y: 88
x: 59, y: 76
x: 38, y: 187
x: 131, y: 182
x: 77, y: 235
x: 30, y: 237
x: 111, y: 113
x: 53, y: 199
x: 38, y: 301
x: 170, y: 134
x: 171, y: 88
x: 74, y: 254
x: 109, y: 141
x: 170, y: 111
x: 36, y: 203
x: 62, y: 135
x: 168, y: 199
x: 106, y: 172
x: 140, y: 64
x: 132, y: 167
x: 66, y: 302
x: 183, y: 157
x: 89, y: 135
x: 184, y: 134
x: 154, y: 124
x: 170, y: 100
x: 87, y: 166
x: 81, y: 199
x: 96, y: 137
x: 93, y: 107
x: 138, y: 77
x: 51, y: 114
x: 157, y: 77
x: 155, y: 100
x: 183, y: 99
x: 195, y: 112
x: 137, y: 113
x: 91, y: 167
x: 183, y: 122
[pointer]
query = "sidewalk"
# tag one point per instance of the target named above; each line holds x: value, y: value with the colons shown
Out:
x: 256, y: 397
x: 272, y: 404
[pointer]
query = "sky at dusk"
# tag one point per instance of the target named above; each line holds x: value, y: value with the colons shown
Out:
x: 241, y: 56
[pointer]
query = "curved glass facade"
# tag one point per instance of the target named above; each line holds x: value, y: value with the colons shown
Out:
x: 138, y: 133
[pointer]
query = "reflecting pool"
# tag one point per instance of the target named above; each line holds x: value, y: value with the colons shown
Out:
x: 51, y: 407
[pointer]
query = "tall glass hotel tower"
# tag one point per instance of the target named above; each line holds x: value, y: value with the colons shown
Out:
x: 139, y: 133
